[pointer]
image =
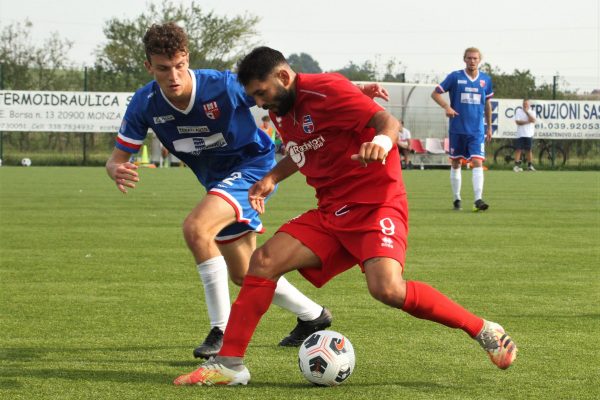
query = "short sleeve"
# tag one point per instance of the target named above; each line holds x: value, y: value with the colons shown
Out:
x: 446, y: 85
x: 133, y: 128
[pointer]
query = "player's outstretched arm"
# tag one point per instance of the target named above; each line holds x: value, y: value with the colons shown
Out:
x: 387, y: 128
x: 263, y: 188
x: 121, y: 171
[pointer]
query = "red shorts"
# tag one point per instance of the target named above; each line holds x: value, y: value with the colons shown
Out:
x: 350, y: 236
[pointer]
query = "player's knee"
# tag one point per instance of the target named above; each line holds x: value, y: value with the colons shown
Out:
x: 236, y: 279
x: 193, y: 231
x: 261, y: 264
x: 391, y: 295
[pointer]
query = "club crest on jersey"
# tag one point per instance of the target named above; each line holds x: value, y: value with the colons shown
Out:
x: 307, y: 124
x: 482, y: 83
x: 212, y: 110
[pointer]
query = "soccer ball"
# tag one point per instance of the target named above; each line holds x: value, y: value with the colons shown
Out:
x: 326, y: 358
x: 26, y: 162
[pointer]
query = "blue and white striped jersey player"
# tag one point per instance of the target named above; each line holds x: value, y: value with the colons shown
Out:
x: 470, y: 91
x: 203, y: 118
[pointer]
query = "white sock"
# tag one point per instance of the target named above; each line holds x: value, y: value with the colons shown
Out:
x: 213, y: 273
x: 290, y: 298
x: 478, y: 182
x: 455, y: 182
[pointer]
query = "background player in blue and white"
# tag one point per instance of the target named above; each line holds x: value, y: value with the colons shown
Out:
x: 470, y: 91
x: 203, y: 118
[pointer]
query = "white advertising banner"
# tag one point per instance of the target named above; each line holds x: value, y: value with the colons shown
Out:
x: 49, y: 111
x: 555, y: 119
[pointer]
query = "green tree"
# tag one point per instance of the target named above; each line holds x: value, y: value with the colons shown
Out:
x: 354, y: 72
x: 303, y: 62
x: 518, y: 85
x: 26, y: 66
x: 215, y: 42
x: 392, y: 73
x: 521, y: 84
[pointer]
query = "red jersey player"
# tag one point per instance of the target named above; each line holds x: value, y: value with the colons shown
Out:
x: 340, y: 140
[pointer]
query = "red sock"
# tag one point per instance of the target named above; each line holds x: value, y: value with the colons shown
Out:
x: 423, y: 301
x: 252, y: 302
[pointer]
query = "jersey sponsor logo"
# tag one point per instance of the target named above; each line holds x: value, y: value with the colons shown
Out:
x: 297, y: 151
x: 462, y: 81
x: 307, y: 124
x: 163, y: 118
x: 472, y: 89
x: 470, y: 98
x: 387, y: 242
x: 193, y: 129
x: 212, y: 110
x: 195, y: 145
x: 482, y: 83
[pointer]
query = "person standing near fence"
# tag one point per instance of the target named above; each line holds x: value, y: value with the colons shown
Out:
x: 403, y: 144
x: 470, y: 91
x: 525, y: 121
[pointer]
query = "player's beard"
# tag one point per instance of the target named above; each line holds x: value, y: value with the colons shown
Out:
x: 283, y: 101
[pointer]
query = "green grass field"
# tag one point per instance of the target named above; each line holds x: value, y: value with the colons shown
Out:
x: 99, y: 297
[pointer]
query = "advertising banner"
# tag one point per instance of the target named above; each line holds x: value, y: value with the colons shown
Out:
x: 555, y: 119
x: 49, y: 111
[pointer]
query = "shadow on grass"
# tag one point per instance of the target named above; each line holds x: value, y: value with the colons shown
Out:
x: 550, y: 317
x: 117, y: 370
x: 130, y: 377
x: 87, y: 354
x: 7, y: 384
x: 90, y: 375
x: 35, y: 353
x: 417, y: 385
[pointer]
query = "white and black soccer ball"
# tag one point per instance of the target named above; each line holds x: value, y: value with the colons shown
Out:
x: 326, y: 358
x: 26, y: 162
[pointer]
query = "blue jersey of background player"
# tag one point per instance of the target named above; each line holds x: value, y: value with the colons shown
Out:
x: 470, y: 91
x: 203, y: 118
x: 468, y: 97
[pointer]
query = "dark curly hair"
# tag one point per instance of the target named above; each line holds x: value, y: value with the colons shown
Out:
x: 166, y: 39
x: 258, y: 64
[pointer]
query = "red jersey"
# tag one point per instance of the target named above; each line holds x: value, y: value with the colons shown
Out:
x: 327, y: 125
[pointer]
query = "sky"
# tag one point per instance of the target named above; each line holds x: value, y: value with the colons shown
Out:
x: 426, y: 38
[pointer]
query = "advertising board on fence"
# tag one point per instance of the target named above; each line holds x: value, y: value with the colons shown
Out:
x: 555, y: 119
x: 49, y: 111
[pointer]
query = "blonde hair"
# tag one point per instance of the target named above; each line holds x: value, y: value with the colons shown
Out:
x: 472, y: 50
